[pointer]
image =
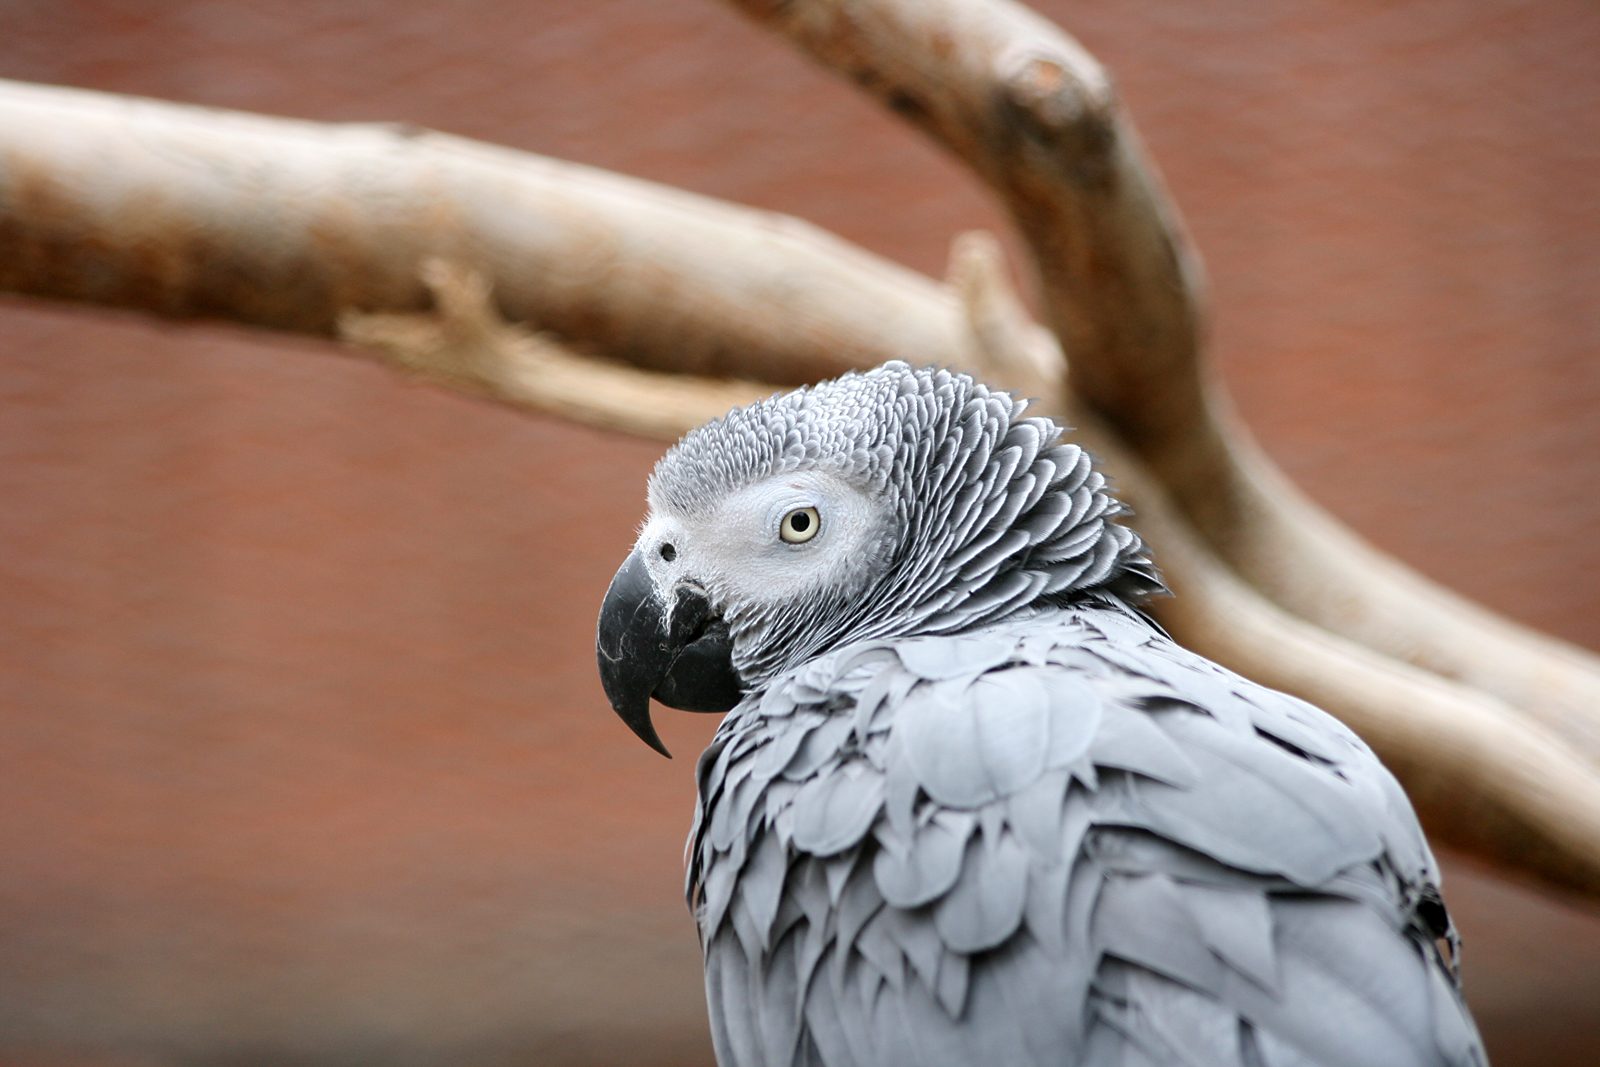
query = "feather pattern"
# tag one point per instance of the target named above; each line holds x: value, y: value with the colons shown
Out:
x: 991, y: 511
x: 1237, y: 886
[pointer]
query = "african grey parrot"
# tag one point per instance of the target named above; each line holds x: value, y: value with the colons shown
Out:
x: 969, y: 804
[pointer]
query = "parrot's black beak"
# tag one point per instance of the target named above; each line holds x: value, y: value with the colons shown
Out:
x: 682, y: 657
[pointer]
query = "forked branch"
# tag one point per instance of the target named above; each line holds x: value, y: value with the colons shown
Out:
x: 300, y: 226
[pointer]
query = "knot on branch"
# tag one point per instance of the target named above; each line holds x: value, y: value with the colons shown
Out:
x: 1069, y: 112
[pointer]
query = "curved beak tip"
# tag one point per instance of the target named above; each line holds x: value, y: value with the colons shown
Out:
x: 646, y: 732
x: 633, y: 708
x: 640, y: 655
x: 630, y: 648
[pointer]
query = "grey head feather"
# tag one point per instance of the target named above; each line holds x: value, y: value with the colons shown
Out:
x: 993, y: 513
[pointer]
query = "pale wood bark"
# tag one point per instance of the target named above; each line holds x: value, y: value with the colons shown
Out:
x: 199, y: 212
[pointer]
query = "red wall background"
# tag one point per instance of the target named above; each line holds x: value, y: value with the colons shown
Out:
x: 302, y: 758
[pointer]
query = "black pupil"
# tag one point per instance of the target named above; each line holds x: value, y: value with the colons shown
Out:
x: 669, y: 553
x: 799, y: 522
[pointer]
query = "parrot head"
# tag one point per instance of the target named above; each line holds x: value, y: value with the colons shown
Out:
x: 893, y: 502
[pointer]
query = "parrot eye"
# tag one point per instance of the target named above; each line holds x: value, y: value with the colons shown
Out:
x: 799, y: 526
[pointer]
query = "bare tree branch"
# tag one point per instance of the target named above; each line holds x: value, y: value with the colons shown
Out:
x: 184, y: 211
x: 188, y: 211
x: 1035, y: 116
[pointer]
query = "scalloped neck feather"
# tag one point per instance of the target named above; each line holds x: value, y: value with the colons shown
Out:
x: 996, y: 515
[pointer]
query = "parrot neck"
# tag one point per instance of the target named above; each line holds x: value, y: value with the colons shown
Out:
x: 1025, y: 523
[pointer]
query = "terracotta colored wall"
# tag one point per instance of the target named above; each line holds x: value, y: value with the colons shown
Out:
x: 301, y: 754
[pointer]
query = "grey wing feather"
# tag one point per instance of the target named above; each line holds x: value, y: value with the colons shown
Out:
x: 1062, y: 840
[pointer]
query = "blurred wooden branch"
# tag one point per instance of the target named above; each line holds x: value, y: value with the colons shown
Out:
x: 197, y: 212
x: 327, y: 229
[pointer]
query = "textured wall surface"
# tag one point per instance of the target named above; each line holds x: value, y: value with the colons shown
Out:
x: 302, y: 757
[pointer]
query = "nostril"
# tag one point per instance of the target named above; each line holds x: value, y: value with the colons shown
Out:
x: 668, y: 553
